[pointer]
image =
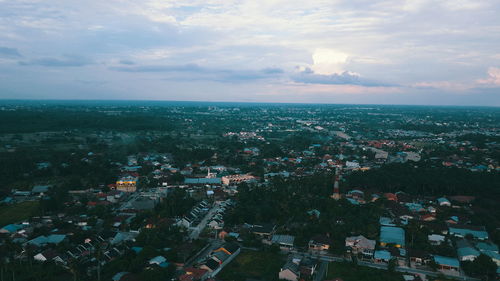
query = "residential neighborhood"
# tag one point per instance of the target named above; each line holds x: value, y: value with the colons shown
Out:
x: 252, y: 193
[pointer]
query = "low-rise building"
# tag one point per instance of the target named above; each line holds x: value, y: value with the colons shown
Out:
x: 127, y: 184
x: 319, y: 243
x: 360, y: 245
x: 236, y: 179
x: 285, y: 242
x: 394, y: 236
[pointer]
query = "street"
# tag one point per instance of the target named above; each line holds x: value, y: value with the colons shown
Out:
x: 199, y: 228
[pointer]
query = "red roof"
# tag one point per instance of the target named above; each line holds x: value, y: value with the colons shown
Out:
x: 192, y: 274
x: 391, y: 196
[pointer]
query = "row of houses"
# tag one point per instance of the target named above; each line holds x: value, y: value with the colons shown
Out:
x: 213, y: 263
x: 298, y: 267
x: 196, y: 215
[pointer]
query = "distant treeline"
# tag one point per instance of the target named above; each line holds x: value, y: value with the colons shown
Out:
x: 428, y: 180
x: 21, y: 121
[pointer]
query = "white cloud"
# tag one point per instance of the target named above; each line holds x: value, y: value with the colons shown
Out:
x: 403, y: 42
x: 493, y: 78
x: 329, y: 61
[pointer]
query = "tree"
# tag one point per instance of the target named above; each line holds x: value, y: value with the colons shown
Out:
x: 482, y: 267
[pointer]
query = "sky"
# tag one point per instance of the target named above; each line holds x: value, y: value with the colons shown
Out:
x: 444, y: 52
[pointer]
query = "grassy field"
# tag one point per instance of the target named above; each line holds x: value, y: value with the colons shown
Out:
x: 352, y: 272
x: 13, y: 213
x: 253, y: 264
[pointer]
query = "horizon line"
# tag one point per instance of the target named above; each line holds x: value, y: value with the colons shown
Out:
x: 2, y: 100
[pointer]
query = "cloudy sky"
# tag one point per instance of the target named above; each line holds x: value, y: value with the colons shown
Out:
x: 353, y: 51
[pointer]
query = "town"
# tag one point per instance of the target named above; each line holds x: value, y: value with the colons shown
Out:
x: 219, y: 191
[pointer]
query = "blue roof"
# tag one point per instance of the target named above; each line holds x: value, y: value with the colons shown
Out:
x: 392, y: 235
x: 414, y: 207
x: 446, y: 261
x: 443, y: 200
x: 480, y: 234
x: 12, y: 227
x: 493, y: 255
x: 55, y: 238
x: 7, y: 199
x: 467, y: 251
x: 202, y: 181
x: 382, y: 255
x: 386, y: 221
x: 483, y: 246
x: 137, y: 249
x: 352, y: 201
x: 52, y: 239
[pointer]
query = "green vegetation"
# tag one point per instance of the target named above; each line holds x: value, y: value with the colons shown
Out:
x: 13, y: 213
x: 32, y: 271
x: 483, y: 267
x: 252, y: 264
x: 428, y: 180
x: 351, y: 272
x: 287, y: 201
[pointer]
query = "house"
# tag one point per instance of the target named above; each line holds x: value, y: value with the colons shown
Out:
x: 216, y: 224
x: 465, y: 251
x: 43, y: 240
x: 285, y: 242
x: 307, y: 267
x: 127, y: 184
x: 418, y: 257
x: 202, y: 181
x: 391, y: 197
x: 210, y: 265
x: 49, y: 255
x: 428, y: 217
x: 444, y: 202
x: 385, y: 221
x: 143, y: 204
x: 121, y: 237
x: 120, y: 276
x: 263, y: 230
x: 40, y: 189
x: 159, y: 261
x: 392, y: 236
x: 436, y: 239
x: 360, y: 245
x: 193, y: 274
x: 314, y: 213
x: 477, y: 232
x: 382, y: 256
x: 230, y: 248
x: 290, y: 271
x: 236, y: 179
x: 11, y: 228
x: 487, y: 247
x: 320, y: 243
x: 447, y: 263
x: 220, y: 257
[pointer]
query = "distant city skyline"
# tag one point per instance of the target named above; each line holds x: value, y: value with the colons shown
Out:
x: 418, y: 52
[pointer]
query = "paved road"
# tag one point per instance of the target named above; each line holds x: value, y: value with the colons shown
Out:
x: 199, y: 228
